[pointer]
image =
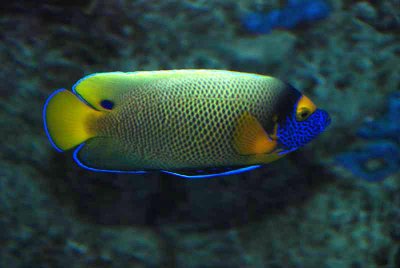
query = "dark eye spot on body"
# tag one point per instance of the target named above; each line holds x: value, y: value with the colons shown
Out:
x: 107, y: 104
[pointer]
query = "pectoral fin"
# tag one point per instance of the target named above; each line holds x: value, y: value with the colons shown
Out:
x: 251, y: 138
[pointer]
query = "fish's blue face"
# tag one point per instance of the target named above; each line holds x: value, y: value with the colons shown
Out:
x: 305, y: 123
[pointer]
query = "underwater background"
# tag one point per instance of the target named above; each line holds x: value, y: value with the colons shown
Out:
x: 333, y: 203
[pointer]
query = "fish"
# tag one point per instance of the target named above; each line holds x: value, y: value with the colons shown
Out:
x: 192, y: 123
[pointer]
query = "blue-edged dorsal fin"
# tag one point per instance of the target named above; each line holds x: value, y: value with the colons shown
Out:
x: 211, y: 173
x: 104, y: 91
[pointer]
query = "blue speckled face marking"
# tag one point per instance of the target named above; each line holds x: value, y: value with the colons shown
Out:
x: 293, y: 134
x: 107, y: 104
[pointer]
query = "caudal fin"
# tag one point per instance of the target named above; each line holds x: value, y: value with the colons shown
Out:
x: 66, y: 120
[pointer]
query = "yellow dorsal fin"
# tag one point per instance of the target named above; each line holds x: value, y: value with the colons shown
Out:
x: 251, y: 138
x: 67, y: 120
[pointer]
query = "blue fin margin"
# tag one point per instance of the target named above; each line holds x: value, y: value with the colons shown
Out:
x: 209, y: 176
x: 226, y: 173
x: 44, y: 118
x: 82, y: 165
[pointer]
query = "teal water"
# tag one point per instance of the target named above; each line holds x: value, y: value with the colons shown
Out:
x: 333, y: 203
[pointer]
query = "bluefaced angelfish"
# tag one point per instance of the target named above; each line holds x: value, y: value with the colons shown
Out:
x: 189, y: 123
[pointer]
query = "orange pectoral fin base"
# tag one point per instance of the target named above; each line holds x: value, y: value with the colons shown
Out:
x: 250, y: 137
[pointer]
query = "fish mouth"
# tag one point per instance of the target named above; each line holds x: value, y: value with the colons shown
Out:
x: 326, y: 119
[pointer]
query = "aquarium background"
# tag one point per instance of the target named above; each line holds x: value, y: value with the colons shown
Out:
x: 334, y: 203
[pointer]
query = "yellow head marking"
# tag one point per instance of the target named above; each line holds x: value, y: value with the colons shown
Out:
x: 305, y: 107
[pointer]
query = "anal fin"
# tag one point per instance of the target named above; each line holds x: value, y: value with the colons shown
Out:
x: 102, y: 154
x: 210, y: 173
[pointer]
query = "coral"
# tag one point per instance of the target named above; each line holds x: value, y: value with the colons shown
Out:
x: 245, y: 53
x: 386, y: 127
x: 372, y: 162
x: 376, y: 160
x: 214, y: 249
x: 382, y: 15
x: 336, y: 67
x: 37, y: 232
x: 295, y: 13
x: 344, y: 224
x: 293, y: 213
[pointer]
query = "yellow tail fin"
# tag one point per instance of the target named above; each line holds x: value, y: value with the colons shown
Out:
x: 66, y: 120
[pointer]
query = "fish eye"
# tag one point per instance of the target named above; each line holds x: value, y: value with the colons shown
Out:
x: 305, y: 107
x: 107, y: 104
x: 303, y: 114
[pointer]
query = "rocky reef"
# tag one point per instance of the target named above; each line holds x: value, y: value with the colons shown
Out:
x: 306, y: 210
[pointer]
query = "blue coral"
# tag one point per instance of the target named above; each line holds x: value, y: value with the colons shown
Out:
x: 373, y: 162
x: 381, y: 157
x: 295, y: 13
x: 387, y: 127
